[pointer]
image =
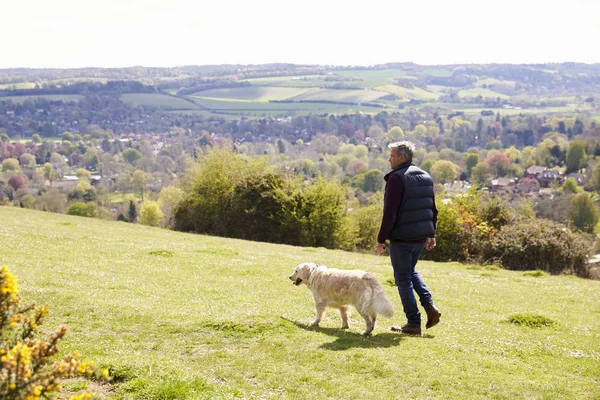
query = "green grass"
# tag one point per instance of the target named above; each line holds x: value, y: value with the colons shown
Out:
x: 352, y: 96
x: 251, y: 93
x: 414, y: 93
x: 50, y: 97
x: 184, y: 316
x: 158, y: 100
x: 481, y: 92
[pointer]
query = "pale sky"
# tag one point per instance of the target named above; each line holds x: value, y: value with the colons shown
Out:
x: 159, y: 33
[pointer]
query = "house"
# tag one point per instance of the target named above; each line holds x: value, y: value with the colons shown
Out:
x: 527, y: 186
x: 535, y: 171
x: 579, y: 178
x: 502, y: 185
x: 548, y: 177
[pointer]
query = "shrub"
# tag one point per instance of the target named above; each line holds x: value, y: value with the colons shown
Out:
x: 540, y: 245
x: 83, y: 209
x: 150, y: 214
x: 26, y: 369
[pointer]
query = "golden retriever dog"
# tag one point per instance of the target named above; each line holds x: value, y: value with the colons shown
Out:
x: 337, y: 288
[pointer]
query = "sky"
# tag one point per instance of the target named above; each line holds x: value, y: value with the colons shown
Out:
x: 159, y: 33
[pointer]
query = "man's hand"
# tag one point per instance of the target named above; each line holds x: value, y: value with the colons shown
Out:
x: 380, y: 248
x: 430, y: 243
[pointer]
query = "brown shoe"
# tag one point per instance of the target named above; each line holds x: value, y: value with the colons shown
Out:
x: 408, y: 329
x: 433, y: 316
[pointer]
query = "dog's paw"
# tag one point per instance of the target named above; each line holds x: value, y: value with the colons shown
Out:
x: 345, y: 327
x: 314, y: 323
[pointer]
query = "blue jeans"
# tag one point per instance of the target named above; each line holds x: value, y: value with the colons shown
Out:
x: 404, y: 258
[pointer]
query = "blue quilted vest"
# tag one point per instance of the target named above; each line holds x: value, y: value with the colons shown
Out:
x: 414, y: 220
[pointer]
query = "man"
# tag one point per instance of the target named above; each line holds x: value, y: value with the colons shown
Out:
x: 409, y: 221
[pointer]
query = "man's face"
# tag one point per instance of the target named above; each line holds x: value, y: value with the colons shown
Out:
x: 395, y: 159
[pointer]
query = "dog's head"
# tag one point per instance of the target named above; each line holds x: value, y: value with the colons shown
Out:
x: 302, y: 273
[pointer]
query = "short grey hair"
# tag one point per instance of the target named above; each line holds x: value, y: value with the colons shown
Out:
x: 405, y: 148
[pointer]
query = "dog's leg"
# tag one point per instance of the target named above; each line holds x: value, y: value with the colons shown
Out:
x: 344, y: 314
x: 369, y: 322
x: 320, y: 310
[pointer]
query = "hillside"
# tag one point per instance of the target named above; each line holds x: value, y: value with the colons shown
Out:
x: 186, y: 316
x: 255, y: 90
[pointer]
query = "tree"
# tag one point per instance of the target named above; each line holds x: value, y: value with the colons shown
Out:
x: 471, y: 161
x: 576, y: 156
x: 168, y: 199
x: 139, y: 180
x: 395, y: 134
x: 17, y: 182
x: 443, y: 171
x: 570, y: 186
x: 82, y: 209
x: 584, y: 215
x: 132, y: 213
x: 498, y: 163
x: 480, y: 173
x: 10, y: 164
x: 131, y: 155
x: 150, y: 214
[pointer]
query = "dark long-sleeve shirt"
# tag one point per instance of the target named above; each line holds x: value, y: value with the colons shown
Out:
x: 394, y: 193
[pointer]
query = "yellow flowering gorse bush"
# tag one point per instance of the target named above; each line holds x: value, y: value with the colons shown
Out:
x: 27, y: 369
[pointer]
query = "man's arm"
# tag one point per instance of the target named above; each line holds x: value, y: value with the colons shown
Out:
x: 391, y: 204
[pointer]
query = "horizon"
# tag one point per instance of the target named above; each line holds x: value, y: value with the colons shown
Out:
x: 67, y: 34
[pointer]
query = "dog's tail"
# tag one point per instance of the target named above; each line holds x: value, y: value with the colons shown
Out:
x: 381, y: 304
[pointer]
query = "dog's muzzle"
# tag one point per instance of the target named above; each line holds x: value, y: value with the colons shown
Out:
x: 297, y: 281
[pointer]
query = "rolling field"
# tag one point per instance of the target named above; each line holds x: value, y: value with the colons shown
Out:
x: 51, y: 97
x: 352, y: 96
x: 251, y: 93
x: 291, y: 81
x: 413, y: 93
x: 184, y: 316
x: 483, y: 92
x: 158, y: 100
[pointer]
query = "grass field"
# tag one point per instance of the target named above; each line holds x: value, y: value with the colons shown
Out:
x: 51, y: 97
x: 414, y: 93
x: 158, y: 100
x: 481, y: 92
x: 251, y: 93
x: 352, y: 96
x: 18, y: 85
x: 183, y: 316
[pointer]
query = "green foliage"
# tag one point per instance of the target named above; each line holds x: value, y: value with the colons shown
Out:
x: 132, y: 213
x: 546, y: 246
x: 26, y: 367
x: 150, y: 214
x: 82, y: 209
x: 229, y: 195
x: 131, y: 155
x: 472, y: 160
x: 530, y: 320
x: 364, y: 225
x: 84, y: 191
x: 570, y: 186
x: 584, y: 215
x: 576, y: 156
x: 443, y: 171
x: 10, y: 165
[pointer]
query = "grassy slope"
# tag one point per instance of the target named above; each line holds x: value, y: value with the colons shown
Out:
x: 189, y: 316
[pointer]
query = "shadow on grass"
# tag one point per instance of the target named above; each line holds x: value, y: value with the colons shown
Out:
x: 347, y: 339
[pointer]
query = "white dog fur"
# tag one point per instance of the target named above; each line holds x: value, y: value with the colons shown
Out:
x: 336, y: 288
